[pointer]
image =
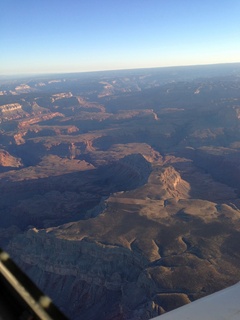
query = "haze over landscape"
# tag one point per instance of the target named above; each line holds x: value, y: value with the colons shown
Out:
x: 120, y: 151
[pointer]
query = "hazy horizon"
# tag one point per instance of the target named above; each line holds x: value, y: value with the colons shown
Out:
x: 73, y: 36
x: 20, y: 75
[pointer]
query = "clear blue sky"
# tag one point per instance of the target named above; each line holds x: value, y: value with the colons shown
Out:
x: 86, y: 35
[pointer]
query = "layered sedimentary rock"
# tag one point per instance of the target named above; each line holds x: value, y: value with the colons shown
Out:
x: 11, y: 111
x: 6, y: 160
x: 143, y: 252
x: 122, y: 198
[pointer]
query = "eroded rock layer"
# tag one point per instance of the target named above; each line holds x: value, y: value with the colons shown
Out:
x: 120, y: 191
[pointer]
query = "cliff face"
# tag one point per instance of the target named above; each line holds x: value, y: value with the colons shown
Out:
x: 173, y: 184
x: 88, y: 275
x: 120, y: 265
x: 48, y: 197
x: 11, y: 111
x: 127, y: 202
x: 127, y: 173
x: 6, y: 160
x: 139, y: 254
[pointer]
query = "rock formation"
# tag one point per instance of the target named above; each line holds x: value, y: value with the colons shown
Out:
x: 120, y: 191
x: 6, y: 160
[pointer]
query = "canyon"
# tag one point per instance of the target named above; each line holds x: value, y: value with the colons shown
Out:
x: 120, y: 190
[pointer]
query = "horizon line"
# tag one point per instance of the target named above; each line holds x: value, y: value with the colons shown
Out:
x: 29, y: 74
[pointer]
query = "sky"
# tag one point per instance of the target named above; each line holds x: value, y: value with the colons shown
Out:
x: 50, y: 36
